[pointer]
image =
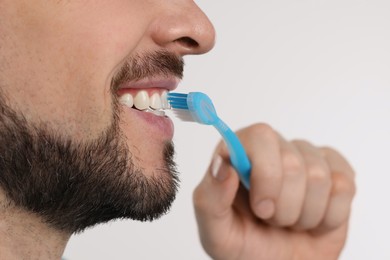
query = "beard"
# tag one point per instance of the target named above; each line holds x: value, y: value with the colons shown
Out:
x: 73, y: 185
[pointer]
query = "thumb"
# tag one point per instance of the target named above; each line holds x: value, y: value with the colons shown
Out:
x: 213, y: 200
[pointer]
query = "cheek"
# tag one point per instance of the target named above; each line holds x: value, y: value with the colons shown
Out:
x: 60, y: 67
x: 71, y: 114
x: 71, y: 95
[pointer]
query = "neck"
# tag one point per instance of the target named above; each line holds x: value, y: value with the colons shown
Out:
x: 23, y: 235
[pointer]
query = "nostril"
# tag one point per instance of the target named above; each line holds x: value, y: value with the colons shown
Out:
x: 188, y: 42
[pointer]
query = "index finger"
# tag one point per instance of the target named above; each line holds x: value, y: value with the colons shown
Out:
x: 262, y: 145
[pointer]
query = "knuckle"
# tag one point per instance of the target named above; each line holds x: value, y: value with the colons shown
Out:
x: 266, y: 181
x: 301, y: 142
x: 328, y: 150
x: 333, y: 153
x: 264, y: 130
x: 340, y: 159
x: 269, y: 174
x: 292, y: 163
x: 343, y: 185
x: 318, y: 174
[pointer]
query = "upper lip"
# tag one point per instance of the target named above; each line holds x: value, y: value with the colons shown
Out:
x: 169, y: 84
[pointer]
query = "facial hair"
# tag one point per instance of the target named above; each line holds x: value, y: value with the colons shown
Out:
x: 73, y: 185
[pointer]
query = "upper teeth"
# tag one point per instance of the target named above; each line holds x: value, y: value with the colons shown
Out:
x: 155, y: 101
x: 142, y: 101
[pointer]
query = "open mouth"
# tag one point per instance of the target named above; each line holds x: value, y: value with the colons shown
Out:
x: 151, y: 100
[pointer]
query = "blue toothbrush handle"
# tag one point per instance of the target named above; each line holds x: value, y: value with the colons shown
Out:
x: 238, y: 157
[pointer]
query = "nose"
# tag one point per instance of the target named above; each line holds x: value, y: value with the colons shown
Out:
x: 184, y: 29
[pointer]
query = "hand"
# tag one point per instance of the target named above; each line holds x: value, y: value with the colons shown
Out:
x: 297, y: 207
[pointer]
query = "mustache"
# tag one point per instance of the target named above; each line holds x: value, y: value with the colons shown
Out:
x: 148, y: 65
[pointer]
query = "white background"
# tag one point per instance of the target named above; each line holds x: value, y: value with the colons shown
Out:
x: 318, y: 70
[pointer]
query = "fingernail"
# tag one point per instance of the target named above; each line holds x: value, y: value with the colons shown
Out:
x: 265, y: 209
x: 217, y: 170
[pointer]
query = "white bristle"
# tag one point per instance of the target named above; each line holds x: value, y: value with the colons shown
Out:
x: 183, y: 115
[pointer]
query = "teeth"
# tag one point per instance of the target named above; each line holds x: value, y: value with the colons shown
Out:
x: 158, y: 112
x: 155, y: 101
x: 164, y: 100
x: 154, y: 104
x: 127, y: 100
x: 141, y: 100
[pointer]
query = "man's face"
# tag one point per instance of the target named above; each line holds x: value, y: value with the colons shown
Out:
x: 63, y: 67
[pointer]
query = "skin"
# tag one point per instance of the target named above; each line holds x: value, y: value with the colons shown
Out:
x: 57, y: 60
x: 308, y: 192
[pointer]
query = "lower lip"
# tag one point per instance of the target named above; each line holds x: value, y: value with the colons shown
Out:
x: 161, y: 125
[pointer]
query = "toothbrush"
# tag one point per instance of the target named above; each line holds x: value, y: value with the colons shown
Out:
x: 198, y: 107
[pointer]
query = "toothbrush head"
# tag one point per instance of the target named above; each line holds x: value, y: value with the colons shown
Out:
x: 194, y: 106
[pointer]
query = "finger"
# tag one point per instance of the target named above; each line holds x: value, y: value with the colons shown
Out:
x: 318, y: 186
x: 241, y: 205
x: 343, y: 190
x: 337, y: 162
x: 292, y: 195
x: 262, y: 145
x: 213, y: 199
